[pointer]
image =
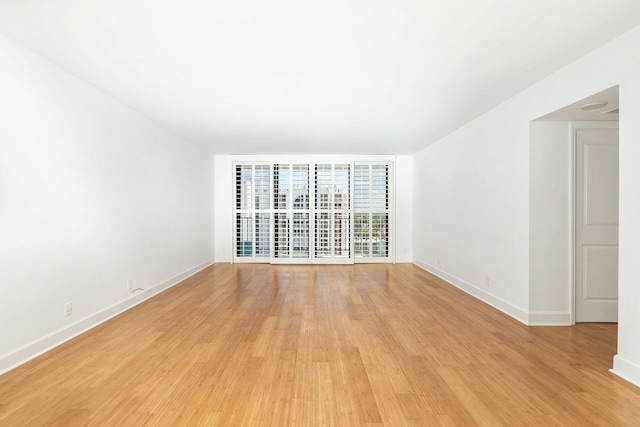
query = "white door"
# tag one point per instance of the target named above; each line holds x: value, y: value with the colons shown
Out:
x: 596, y: 225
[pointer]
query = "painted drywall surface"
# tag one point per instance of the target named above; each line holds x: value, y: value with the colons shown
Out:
x: 224, y: 188
x: 91, y: 194
x: 212, y: 207
x: 550, y: 221
x: 628, y: 358
x: 475, y: 177
x: 223, y: 208
x: 404, y: 208
x: 471, y: 207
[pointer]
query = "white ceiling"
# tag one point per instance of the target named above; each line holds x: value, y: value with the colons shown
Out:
x: 574, y: 112
x: 332, y: 76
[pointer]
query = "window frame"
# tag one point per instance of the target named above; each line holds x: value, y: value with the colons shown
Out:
x: 353, y: 161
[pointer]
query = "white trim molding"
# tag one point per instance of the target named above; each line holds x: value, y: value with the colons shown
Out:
x: 626, y: 370
x: 494, y: 301
x: 34, y: 349
x: 549, y: 318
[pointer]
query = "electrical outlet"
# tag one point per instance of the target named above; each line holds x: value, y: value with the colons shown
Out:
x: 487, y: 281
x: 438, y: 261
x: 130, y: 285
x: 68, y: 309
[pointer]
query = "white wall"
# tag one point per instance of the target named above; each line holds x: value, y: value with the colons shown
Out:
x: 223, y: 208
x: 404, y: 208
x: 224, y: 187
x: 91, y: 194
x: 473, y: 188
x: 471, y: 210
x: 550, y: 199
x: 627, y: 361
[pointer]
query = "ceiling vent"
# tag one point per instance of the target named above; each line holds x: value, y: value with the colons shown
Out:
x: 614, y: 111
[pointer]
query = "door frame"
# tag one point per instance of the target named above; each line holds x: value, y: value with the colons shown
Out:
x: 575, y: 126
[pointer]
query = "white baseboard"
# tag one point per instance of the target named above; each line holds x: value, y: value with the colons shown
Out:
x: 549, y: 318
x: 34, y: 349
x: 484, y: 296
x: 626, y: 370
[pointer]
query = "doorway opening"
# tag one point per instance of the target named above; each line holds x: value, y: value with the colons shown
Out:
x: 574, y: 212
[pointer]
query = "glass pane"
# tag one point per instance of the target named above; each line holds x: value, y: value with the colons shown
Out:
x: 300, y: 235
x: 361, y: 235
x: 261, y: 185
x: 342, y: 184
x: 341, y: 235
x: 380, y: 235
x: 281, y: 186
x: 361, y: 186
x: 263, y: 246
x: 323, y: 186
x: 379, y: 187
x: 323, y: 234
x: 244, y: 191
x: 244, y: 235
x: 281, y: 235
x: 300, y: 184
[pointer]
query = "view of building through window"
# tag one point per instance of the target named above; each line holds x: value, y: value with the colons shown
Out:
x: 304, y: 212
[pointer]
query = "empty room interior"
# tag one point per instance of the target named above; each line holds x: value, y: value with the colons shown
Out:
x: 335, y: 213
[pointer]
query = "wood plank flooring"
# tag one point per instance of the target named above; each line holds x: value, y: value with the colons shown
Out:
x: 366, y: 345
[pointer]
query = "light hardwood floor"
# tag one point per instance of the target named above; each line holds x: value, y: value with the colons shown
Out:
x: 326, y: 345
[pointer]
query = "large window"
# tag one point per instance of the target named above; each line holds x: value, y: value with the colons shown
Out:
x: 332, y: 212
x: 292, y: 210
x: 308, y: 212
x: 252, y: 216
x: 371, y: 193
